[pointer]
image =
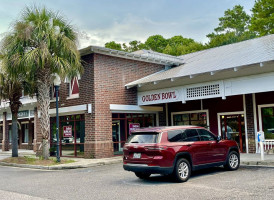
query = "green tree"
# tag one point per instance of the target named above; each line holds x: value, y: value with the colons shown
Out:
x: 42, y: 43
x: 156, y: 43
x: 179, y: 40
x: 192, y: 47
x: 262, y: 20
x: 113, y: 45
x: 235, y: 20
x: 178, y: 45
x: 134, y: 46
x: 233, y: 27
x: 11, y: 88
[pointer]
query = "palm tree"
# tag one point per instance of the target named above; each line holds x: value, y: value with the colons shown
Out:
x: 42, y: 43
x: 12, y: 90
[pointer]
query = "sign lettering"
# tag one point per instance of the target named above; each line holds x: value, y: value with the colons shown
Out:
x: 67, y: 131
x: 133, y: 127
x: 160, y: 96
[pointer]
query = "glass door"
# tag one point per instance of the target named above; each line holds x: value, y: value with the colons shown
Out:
x: 71, y: 136
x: 233, y: 128
x: 116, y: 137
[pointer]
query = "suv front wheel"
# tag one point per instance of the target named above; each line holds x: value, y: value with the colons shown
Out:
x: 182, y: 170
x: 233, y: 161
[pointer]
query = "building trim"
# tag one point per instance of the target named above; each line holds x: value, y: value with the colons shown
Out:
x: 255, y: 119
x: 117, y: 108
x: 166, y: 106
x: 79, y: 109
x: 245, y: 119
x: 150, y: 58
x: 226, y: 87
x: 260, y: 114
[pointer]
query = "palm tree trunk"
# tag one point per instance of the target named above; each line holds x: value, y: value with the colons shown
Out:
x: 44, y: 103
x: 14, y: 136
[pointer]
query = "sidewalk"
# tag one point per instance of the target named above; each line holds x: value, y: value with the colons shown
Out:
x: 246, y: 160
x: 255, y: 160
x: 79, y: 162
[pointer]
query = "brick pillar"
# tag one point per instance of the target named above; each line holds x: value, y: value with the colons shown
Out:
x: 30, y: 147
x: 89, y: 147
x: 5, y: 141
x: 250, y: 123
x: 162, y: 116
x: 37, y: 141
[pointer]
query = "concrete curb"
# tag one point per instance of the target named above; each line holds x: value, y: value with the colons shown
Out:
x: 63, y: 166
x: 257, y: 164
x: 109, y: 162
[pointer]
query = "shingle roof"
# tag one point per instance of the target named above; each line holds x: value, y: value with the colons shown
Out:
x: 217, y: 59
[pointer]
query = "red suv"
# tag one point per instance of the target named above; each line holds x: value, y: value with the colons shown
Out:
x: 177, y: 150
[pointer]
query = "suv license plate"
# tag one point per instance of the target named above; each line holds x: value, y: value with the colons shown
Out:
x: 137, y: 155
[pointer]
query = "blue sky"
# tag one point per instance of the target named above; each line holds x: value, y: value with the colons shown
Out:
x: 100, y: 21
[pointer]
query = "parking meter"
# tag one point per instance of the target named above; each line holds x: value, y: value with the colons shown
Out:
x: 260, y: 136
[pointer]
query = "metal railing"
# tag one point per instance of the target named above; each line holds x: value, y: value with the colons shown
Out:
x: 268, y: 145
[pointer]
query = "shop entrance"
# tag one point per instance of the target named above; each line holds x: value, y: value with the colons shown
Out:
x: 71, y: 135
x: 116, y: 136
x: 121, y: 127
x: 232, y: 127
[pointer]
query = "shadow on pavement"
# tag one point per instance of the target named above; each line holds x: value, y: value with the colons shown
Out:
x: 161, y: 179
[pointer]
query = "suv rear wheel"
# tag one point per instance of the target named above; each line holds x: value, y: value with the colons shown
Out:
x: 233, y: 161
x: 142, y: 175
x: 182, y: 170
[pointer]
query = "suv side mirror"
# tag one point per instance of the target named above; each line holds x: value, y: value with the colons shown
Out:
x: 218, y: 138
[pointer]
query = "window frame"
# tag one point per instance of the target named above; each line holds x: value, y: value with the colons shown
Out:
x: 190, y: 112
x: 214, y: 136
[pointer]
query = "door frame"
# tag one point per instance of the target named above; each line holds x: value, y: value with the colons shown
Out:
x: 260, y: 114
x: 231, y: 113
x: 119, y: 135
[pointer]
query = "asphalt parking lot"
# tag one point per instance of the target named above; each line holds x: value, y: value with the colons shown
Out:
x: 112, y: 182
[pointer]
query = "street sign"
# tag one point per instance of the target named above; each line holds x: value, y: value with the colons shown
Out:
x: 67, y: 131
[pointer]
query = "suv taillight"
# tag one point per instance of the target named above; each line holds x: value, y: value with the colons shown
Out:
x: 155, y: 148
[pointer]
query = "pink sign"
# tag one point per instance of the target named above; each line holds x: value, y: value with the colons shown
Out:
x: 67, y: 131
x: 133, y: 127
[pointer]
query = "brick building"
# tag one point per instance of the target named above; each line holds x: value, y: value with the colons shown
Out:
x: 229, y: 90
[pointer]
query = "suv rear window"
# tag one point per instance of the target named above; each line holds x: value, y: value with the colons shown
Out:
x: 143, y: 138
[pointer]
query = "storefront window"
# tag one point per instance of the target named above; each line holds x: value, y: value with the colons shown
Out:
x: 25, y: 133
x: 268, y: 122
x: 10, y: 134
x: 197, y: 119
x: 121, y: 124
x: 71, y: 135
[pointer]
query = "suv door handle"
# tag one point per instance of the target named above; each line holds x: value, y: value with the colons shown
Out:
x: 189, y: 145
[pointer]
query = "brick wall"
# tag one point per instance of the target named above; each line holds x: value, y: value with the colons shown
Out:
x: 103, y: 83
x: 85, y: 87
x: 250, y: 123
x: 111, y: 74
